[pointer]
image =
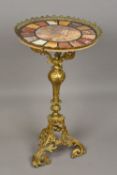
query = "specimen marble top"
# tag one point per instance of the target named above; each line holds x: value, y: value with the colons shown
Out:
x: 57, y: 33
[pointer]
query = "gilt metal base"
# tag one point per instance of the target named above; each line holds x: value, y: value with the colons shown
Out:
x: 49, y: 140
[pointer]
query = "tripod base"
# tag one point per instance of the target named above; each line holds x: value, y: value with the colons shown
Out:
x: 50, y: 141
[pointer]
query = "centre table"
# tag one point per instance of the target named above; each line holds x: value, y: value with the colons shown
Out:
x: 58, y: 38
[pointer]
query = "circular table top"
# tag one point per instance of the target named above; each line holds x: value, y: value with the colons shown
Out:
x: 58, y: 33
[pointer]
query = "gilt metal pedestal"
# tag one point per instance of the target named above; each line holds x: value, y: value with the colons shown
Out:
x: 58, y: 38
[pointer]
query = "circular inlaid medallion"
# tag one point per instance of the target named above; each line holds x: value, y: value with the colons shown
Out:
x: 58, y: 33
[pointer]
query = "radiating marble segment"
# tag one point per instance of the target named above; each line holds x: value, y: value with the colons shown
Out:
x: 51, y: 44
x: 39, y: 42
x: 75, y: 24
x: 30, y: 39
x: 92, y: 37
x: 42, y: 23
x: 64, y: 23
x: 85, y: 41
x: 27, y: 29
x: 83, y: 27
x: 76, y: 43
x: 89, y: 32
x: 32, y: 26
x: 64, y: 45
x: 58, y: 33
x: 52, y: 22
x: 27, y: 34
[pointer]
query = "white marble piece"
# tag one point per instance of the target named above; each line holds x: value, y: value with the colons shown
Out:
x: 39, y: 42
x: 52, y: 22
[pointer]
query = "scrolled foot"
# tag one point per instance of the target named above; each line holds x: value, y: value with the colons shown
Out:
x: 78, y: 151
x: 40, y: 161
x: 78, y: 148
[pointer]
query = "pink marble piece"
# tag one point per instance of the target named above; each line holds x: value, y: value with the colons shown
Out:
x: 58, y: 33
x: 88, y: 32
x: 27, y: 34
x: 64, y: 45
x: 42, y: 24
x: 30, y: 39
x: 85, y: 41
x: 76, y: 43
x: 92, y: 37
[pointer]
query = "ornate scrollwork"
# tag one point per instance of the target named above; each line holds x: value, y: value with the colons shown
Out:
x: 49, y: 141
x: 57, y: 55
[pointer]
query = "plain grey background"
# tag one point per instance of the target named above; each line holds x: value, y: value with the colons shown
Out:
x: 89, y: 93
